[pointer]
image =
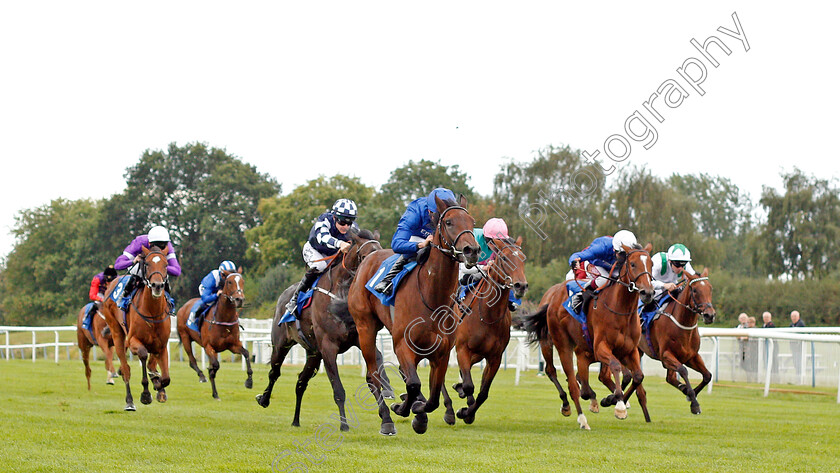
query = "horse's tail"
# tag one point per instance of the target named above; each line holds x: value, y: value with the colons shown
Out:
x: 536, y: 325
x: 339, y: 308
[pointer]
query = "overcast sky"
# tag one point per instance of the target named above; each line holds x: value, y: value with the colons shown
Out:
x: 306, y: 88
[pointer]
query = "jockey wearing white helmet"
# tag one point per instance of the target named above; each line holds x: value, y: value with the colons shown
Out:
x: 597, y: 259
x: 668, y: 268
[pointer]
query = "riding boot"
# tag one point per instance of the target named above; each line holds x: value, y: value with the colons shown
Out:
x: 191, y: 320
x: 305, y: 283
x: 385, y: 286
x: 577, y: 301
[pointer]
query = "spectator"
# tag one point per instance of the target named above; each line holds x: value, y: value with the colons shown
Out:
x: 795, y: 346
x: 742, y: 320
x: 768, y: 323
x: 742, y: 341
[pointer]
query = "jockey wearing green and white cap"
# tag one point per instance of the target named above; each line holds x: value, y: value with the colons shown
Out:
x: 668, y: 268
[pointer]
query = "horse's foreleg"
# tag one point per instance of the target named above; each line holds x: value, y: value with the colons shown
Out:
x: 329, y: 353
x: 313, y: 362
x: 143, y: 354
x: 387, y: 390
x: 633, y: 364
x: 406, y: 357
x: 586, y: 391
x: 449, y: 415
x: 565, y: 353
x: 163, y: 380
x: 214, y: 368
x: 466, y: 387
x: 85, y: 349
x: 241, y: 350
x: 487, y: 377
x: 696, y: 363
x: 108, y: 353
x: 278, y: 354
x: 604, y: 354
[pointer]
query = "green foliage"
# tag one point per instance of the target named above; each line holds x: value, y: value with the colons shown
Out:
x: 204, y: 196
x: 287, y: 220
x: 48, y: 275
x: 271, y: 285
x: 802, y: 233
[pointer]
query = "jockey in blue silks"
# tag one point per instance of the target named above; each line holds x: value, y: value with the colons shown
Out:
x: 597, y: 259
x: 414, y: 232
x: 209, y: 290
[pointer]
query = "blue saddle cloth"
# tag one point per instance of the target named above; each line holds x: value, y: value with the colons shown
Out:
x: 199, y: 316
x: 380, y: 274
x: 462, y: 292
x: 87, y: 323
x: 574, y: 287
x: 124, y: 302
x: 647, y: 317
x: 303, y: 301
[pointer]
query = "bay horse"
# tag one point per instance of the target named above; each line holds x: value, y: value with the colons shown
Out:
x: 145, y: 328
x: 484, y: 331
x: 103, y: 341
x: 613, y: 323
x: 220, y: 329
x: 674, y: 340
x: 326, y: 332
x: 424, y: 299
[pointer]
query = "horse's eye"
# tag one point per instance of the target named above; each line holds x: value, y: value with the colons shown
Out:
x: 448, y: 223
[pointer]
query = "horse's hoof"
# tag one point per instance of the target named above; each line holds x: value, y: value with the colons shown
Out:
x: 388, y: 429
x: 620, y: 411
x: 449, y: 417
x: 593, y: 406
x: 295, y: 423
x: 146, y: 398
x: 469, y: 419
x: 153, y: 375
x: 583, y: 423
x: 419, y: 407
x: 263, y: 400
x: 607, y: 401
x: 462, y: 412
x: 249, y: 383
x: 161, y: 396
x: 344, y: 427
x: 130, y: 407
x: 566, y: 410
x: 216, y: 397
x: 695, y: 409
x: 388, y: 395
x: 202, y: 379
x: 398, y: 409
x: 420, y: 423
x: 110, y: 381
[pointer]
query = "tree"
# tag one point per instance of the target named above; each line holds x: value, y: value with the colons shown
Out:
x: 286, y: 220
x: 552, y: 201
x: 417, y: 180
x: 204, y: 196
x: 803, y: 226
x: 48, y: 273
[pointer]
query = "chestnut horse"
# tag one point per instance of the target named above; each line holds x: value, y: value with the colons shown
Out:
x: 424, y: 298
x: 674, y: 340
x: 614, y: 327
x: 103, y: 341
x: 220, y: 329
x: 484, y: 331
x: 145, y: 328
x: 327, y: 332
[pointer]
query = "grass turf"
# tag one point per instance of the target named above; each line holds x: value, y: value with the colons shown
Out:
x: 50, y: 422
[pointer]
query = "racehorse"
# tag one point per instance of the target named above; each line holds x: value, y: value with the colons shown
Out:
x: 103, y: 341
x: 613, y: 323
x: 145, y: 328
x: 220, y: 330
x: 424, y: 299
x: 674, y: 340
x: 325, y: 333
x: 484, y: 331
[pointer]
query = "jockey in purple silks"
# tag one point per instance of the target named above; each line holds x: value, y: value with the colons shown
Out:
x: 132, y: 255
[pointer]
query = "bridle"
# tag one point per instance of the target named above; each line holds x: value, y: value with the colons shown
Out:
x: 693, y: 305
x: 446, y: 247
x: 631, y: 286
x: 507, y: 282
x: 230, y: 299
x: 359, y: 256
x: 147, y: 277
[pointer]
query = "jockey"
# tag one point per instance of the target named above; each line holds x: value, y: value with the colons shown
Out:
x: 132, y: 255
x: 98, y: 286
x: 495, y: 228
x: 328, y: 236
x: 598, y: 258
x: 414, y: 232
x: 668, y: 268
x: 209, y: 290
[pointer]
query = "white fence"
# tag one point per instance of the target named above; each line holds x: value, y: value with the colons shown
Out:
x: 798, y: 356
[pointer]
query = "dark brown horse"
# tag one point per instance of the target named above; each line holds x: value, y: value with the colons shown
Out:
x: 484, y: 331
x: 220, y: 330
x: 103, y: 341
x: 674, y: 339
x: 326, y: 332
x: 422, y: 323
x: 145, y: 328
x: 614, y: 332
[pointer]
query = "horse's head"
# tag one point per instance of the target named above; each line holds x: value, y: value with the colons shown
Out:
x: 234, y: 287
x: 365, y: 242
x: 636, y: 270
x: 509, y: 266
x: 154, y: 270
x: 454, y: 234
x: 699, y: 296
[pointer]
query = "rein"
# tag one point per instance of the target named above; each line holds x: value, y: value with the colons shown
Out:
x: 694, y: 307
x: 147, y: 281
x: 631, y: 286
x: 451, y: 251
